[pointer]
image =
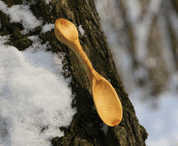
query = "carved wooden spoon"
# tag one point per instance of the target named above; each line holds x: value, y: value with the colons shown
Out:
x: 106, y: 100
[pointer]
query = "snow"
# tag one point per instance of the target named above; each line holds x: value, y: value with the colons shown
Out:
x: 161, y: 122
x: 21, y: 13
x: 81, y: 29
x: 104, y: 128
x: 47, y: 1
x: 35, y: 98
x: 173, y: 83
x: 47, y: 27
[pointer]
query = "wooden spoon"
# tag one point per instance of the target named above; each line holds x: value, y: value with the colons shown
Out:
x: 106, y: 100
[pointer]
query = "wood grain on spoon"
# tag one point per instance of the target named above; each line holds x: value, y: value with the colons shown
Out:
x: 67, y: 33
x: 109, y: 108
x: 105, y: 97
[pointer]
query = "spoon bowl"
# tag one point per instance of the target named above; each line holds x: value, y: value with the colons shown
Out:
x: 65, y: 32
x: 106, y: 101
x: 105, y: 98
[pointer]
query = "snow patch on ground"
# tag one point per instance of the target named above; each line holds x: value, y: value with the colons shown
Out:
x: 35, y: 97
x: 22, y: 14
x: 160, y: 118
x: 81, y: 29
x: 47, y: 1
x: 47, y: 27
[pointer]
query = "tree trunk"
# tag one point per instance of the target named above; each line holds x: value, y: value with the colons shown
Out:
x: 85, y: 128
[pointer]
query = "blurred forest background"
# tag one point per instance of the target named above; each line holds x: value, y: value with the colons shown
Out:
x: 142, y: 36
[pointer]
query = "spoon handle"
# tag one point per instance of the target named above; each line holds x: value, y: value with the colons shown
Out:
x: 77, y: 48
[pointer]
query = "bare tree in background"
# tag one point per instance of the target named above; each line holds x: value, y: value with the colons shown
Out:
x: 147, y: 34
x: 85, y: 129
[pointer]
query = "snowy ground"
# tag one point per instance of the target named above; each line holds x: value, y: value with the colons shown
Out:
x: 159, y: 118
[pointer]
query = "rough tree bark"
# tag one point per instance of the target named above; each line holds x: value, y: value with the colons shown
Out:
x: 85, y: 128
